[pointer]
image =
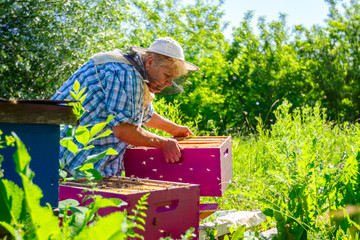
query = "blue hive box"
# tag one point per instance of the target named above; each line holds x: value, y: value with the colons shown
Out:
x: 37, y: 123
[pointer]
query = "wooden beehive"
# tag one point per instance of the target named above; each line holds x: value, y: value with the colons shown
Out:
x: 206, y: 161
x: 36, y: 123
x: 173, y: 207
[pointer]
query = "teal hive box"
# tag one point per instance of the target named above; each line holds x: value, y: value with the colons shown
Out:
x: 37, y: 124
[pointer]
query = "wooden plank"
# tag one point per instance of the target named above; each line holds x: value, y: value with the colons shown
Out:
x: 36, y: 112
x: 196, y: 142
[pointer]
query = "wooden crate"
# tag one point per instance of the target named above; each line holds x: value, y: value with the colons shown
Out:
x: 206, y: 161
x: 173, y: 207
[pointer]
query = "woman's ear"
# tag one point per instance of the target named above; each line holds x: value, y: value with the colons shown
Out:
x: 149, y: 62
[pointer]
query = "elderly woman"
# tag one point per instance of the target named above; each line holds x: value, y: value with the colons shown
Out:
x: 123, y: 85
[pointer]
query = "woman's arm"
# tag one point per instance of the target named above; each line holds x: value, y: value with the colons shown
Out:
x: 138, y: 136
x: 164, y: 124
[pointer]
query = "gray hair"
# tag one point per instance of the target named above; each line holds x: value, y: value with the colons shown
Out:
x: 162, y: 60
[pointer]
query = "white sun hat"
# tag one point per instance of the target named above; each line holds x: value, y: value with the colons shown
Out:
x: 168, y: 47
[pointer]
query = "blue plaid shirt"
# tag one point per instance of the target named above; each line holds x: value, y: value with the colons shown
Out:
x: 119, y: 91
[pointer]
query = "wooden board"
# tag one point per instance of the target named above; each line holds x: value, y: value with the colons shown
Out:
x: 36, y: 112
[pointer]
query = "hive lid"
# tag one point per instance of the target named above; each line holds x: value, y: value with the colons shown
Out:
x: 36, y: 112
x: 126, y: 185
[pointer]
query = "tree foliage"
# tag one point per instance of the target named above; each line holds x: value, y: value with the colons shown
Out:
x: 302, y: 65
x: 44, y: 42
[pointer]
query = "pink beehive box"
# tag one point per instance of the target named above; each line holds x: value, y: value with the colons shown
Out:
x: 173, y: 207
x: 206, y: 161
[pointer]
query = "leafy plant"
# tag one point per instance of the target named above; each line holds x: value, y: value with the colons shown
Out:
x: 300, y: 173
x: 83, y: 216
x: 236, y: 233
x: 84, y: 135
x: 9, y: 141
x: 137, y: 219
x: 22, y: 216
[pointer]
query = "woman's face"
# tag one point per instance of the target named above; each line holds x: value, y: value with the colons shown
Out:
x: 159, y: 77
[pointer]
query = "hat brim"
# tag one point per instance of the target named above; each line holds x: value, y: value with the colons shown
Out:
x: 189, y: 66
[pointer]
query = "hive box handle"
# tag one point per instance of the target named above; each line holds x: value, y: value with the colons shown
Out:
x: 226, y: 152
x: 166, y: 206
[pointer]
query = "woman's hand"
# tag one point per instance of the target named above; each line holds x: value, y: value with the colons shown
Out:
x: 161, y: 123
x: 181, y: 131
x: 171, y: 150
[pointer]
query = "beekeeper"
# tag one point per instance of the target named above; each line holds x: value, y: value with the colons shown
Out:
x: 123, y: 85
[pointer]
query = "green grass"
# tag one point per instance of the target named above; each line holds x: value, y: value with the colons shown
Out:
x: 299, y: 173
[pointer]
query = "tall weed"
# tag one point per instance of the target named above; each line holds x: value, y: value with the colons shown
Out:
x: 303, y: 173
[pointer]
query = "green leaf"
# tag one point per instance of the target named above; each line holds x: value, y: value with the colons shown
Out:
x: 139, y: 226
x: 62, y: 174
x: 82, y: 98
x: 82, y: 135
x: 94, y: 158
x: 69, y: 131
x: 76, y: 86
x: 68, y: 202
x: 44, y: 223
x: 73, y: 95
x: 41, y: 220
x: 69, y: 144
x: 86, y: 166
x: 95, y: 173
x: 141, y: 220
x: 239, y: 233
x: 78, y: 209
x: 268, y: 212
x: 97, y: 128
x: 104, y: 134
x: 11, y: 198
x: 9, y: 140
x: 21, y: 158
x: 108, y: 202
x: 109, y: 118
x: 81, y: 93
x: 112, y: 226
x: 88, y: 147
x: 111, y: 151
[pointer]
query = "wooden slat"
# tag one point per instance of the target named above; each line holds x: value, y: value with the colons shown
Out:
x: 197, y: 142
x: 36, y: 112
